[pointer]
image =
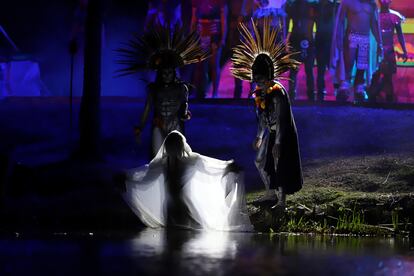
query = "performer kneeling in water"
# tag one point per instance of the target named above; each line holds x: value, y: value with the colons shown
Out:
x: 184, y: 189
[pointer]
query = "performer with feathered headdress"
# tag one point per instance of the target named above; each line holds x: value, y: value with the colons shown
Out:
x: 261, y: 59
x: 162, y: 49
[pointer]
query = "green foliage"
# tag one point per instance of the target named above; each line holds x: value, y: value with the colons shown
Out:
x: 350, y: 221
x: 394, y: 216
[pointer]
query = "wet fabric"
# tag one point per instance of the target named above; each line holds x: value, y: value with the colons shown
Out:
x: 213, y: 196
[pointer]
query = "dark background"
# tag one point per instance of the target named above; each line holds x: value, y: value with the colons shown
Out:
x: 42, y: 31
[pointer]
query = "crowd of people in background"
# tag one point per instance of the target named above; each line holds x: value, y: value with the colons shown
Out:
x: 316, y: 31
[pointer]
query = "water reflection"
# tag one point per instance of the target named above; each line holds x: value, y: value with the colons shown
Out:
x: 159, y: 252
x: 245, y: 253
x: 211, y: 244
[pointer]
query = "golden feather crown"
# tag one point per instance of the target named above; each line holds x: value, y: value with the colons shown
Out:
x: 160, y: 47
x: 257, y: 42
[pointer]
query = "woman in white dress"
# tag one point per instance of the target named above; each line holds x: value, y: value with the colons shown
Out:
x: 181, y: 188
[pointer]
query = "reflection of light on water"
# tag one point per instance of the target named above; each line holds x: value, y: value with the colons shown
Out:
x: 181, y: 251
x: 211, y: 244
x: 149, y: 242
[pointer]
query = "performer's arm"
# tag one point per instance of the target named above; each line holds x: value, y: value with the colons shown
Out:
x: 260, y: 129
x: 340, y: 23
x: 277, y: 127
x: 144, y: 116
x: 260, y: 132
x: 185, y: 114
x: 401, y: 40
x: 376, y: 31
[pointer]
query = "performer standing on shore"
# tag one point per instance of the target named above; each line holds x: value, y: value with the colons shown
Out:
x: 261, y: 59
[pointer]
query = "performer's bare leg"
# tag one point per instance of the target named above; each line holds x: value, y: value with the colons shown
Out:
x: 350, y: 58
x: 351, y: 54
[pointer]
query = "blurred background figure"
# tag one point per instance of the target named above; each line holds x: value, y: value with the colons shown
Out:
x: 275, y: 10
x: 159, y: 13
x: 302, y: 13
x: 355, y: 20
x: 325, y: 22
x: 209, y: 19
x: 162, y: 12
x: 389, y: 20
x: 239, y: 11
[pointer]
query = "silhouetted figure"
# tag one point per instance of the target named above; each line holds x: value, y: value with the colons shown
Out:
x: 302, y: 13
x: 162, y: 49
x: 239, y: 11
x: 161, y: 12
x: 262, y: 59
x: 275, y: 11
x: 354, y: 22
x: 389, y: 20
x: 325, y: 23
x: 209, y: 19
x: 177, y: 210
x: 184, y: 189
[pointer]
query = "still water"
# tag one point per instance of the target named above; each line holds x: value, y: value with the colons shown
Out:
x: 158, y: 252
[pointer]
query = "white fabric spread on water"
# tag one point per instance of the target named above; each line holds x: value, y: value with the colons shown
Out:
x: 215, y: 200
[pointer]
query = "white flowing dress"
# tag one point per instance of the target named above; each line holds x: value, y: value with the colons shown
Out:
x: 215, y: 199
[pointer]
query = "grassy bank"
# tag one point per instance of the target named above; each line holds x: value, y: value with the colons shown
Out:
x: 363, y: 196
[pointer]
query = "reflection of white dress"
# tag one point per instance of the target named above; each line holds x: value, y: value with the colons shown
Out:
x: 215, y: 201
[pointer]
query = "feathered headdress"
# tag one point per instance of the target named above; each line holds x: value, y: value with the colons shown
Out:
x: 261, y: 50
x: 160, y: 47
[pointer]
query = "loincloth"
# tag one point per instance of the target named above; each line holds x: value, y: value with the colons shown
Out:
x: 361, y: 43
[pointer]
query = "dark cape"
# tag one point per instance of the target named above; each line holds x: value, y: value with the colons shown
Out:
x: 289, y: 170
